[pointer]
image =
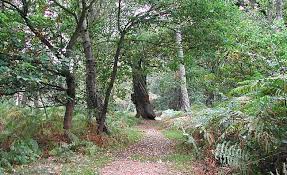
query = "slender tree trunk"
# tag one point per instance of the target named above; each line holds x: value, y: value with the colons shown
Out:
x: 270, y: 11
x: 279, y: 9
x: 140, y: 96
x: 36, y: 100
x: 184, y: 102
x: 94, y: 103
x: 104, y: 111
x: 18, y: 99
x: 2, y: 7
x: 21, y: 99
x: 70, y: 104
x: 252, y: 3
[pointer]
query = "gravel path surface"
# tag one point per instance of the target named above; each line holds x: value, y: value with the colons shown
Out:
x: 154, y: 144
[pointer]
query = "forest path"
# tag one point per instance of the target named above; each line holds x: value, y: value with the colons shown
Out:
x: 148, y: 150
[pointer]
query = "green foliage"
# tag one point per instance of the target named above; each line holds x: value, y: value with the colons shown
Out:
x: 232, y: 156
x: 29, y: 123
x: 65, y: 152
x: 120, y: 120
x: 122, y: 131
x: 20, y: 152
x: 245, y: 130
x: 235, y: 62
x: 174, y: 134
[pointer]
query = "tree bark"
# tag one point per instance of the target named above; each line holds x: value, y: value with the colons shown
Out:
x: 140, y: 97
x: 279, y: 9
x: 70, y: 104
x: 184, y: 100
x: 70, y: 79
x: 36, y: 100
x: 209, y: 98
x: 94, y: 103
x: 104, y: 111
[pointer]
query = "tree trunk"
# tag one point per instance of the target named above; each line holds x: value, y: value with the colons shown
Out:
x: 94, y: 103
x: 18, y: 99
x: 71, y: 94
x: 209, y: 98
x: 104, y: 111
x: 184, y: 102
x: 36, y: 101
x: 279, y: 9
x: 140, y: 96
x: 252, y: 4
x: 270, y: 11
x: 2, y: 7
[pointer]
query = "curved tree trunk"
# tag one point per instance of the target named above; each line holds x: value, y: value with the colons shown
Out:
x: 140, y: 96
x: 184, y: 100
x: 103, y: 116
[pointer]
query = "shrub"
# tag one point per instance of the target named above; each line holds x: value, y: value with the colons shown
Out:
x: 21, y: 152
x: 248, y: 131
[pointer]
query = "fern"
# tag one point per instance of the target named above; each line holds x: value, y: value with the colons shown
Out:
x: 273, y: 85
x: 246, y: 129
x: 284, y: 170
x: 231, y: 155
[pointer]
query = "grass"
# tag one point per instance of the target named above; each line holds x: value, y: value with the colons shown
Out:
x: 182, y: 157
x: 87, y: 166
x: 84, y: 157
x: 179, y: 159
x: 77, y: 164
x: 25, y: 123
x: 174, y: 134
x: 124, y: 138
x: 134, y: 135
x: 123, y: 130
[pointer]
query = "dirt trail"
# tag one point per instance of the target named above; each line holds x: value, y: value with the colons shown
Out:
x: 153, y: 145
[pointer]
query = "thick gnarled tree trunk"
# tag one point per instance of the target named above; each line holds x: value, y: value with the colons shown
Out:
x: 140, y: 97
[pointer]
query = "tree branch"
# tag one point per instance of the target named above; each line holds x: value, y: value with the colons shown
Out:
x: 38, y: 34
x: 68, y: 11
x: 56, y: 87
x: 10, y: 93
x: 77, y: 31
x: 119, y: 16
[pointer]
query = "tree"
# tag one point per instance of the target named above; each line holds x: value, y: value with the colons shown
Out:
x: 140, y: 96
x: 279, y: 9
x: 63, y: 54
x: 94, y: 102
x: 131, y: 21
x: 184, y: 98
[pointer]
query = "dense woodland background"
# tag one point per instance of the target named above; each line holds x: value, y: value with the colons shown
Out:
x: 213, y: 71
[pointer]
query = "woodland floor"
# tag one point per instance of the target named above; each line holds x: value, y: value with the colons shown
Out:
x: 153, y: 146
x: 154, y: 154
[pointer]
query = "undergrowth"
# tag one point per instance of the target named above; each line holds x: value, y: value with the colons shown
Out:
x: 247, y: 133
x: 29, y: 134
